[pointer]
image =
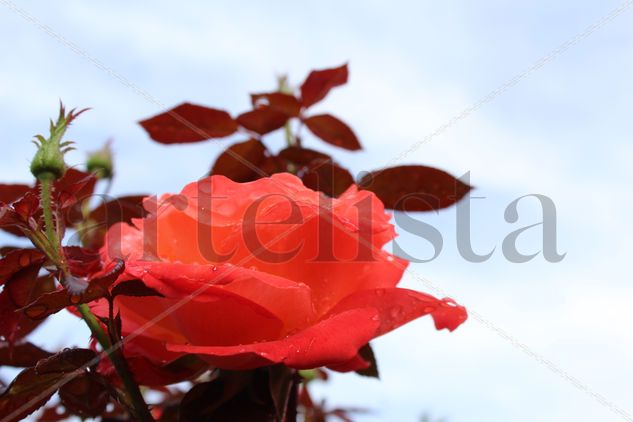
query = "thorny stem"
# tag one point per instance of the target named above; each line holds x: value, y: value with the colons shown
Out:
x: 141, y: 412
x: 114, y: 354
x: 50, y: 227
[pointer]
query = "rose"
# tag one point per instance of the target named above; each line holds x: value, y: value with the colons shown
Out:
x: 265, y: 272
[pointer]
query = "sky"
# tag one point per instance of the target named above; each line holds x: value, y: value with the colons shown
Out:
x: 545, y: 341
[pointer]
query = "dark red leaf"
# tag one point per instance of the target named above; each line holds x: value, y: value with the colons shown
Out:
x: 70, y: 192
x: 241, y: 162
x: 24, y: 287
x: 28, y: 392
x: 283, y: 383
x: 67, y: 194
x: 189, y: 123
x: 27, y: 206
x: 86, y: 395
x: 4, y: 250
x: 134, y: 288
x: 185, y: 368
x: 53, y: 302
x: 414, y: 188
x: 232, y: 395
x: 320, y: 82
x: 33, y: 387
x: 367, y: 353
x: 302, y: 156
x: 262, y: 120
x: 68, y: 360
x: 10, y: 193
x: 273, y: 164
x: 327, y: 177
x: 205, y: 399
x: 122, y: 209
x: 285, y: 103
x: 75, y: 186
x: 82, y: 262
x: 17, y: 260
x: 333, y: 131
x: 21, y: 355
x: 265, y: 394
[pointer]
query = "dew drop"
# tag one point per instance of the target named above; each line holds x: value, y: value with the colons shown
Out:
x: 396, y: 312
x: 428, y: 309
x: 75, y: 299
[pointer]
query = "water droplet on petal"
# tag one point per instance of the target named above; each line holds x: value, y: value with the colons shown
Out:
x: 396, y: 312
x: 75, y: 299
x: 428, y: 309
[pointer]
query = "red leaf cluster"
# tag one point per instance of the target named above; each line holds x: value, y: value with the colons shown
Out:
x: 404, y: 188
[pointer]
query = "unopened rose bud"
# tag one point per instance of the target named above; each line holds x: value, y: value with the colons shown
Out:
x: 100, y: 162
x: 48, y: 162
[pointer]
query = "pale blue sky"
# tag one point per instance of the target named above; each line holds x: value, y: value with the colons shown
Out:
x: 563, y: 131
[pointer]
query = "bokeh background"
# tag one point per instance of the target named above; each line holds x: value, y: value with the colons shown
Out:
x: 563, y: 131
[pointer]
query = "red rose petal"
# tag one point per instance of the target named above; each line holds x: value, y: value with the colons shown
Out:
x: 397, y: 306
x: 289, y: 301
x: 329, y: 342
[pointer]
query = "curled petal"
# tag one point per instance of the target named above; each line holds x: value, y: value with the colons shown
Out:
x: 329, y: 342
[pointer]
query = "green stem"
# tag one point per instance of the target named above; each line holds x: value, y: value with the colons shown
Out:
x: 95, y: 328
x: 116, y: 357
x: 288, y: 133
x: 50, y: 228
x: 114, y: 353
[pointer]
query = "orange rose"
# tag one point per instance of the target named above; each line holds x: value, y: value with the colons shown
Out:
x: 265, y: 272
